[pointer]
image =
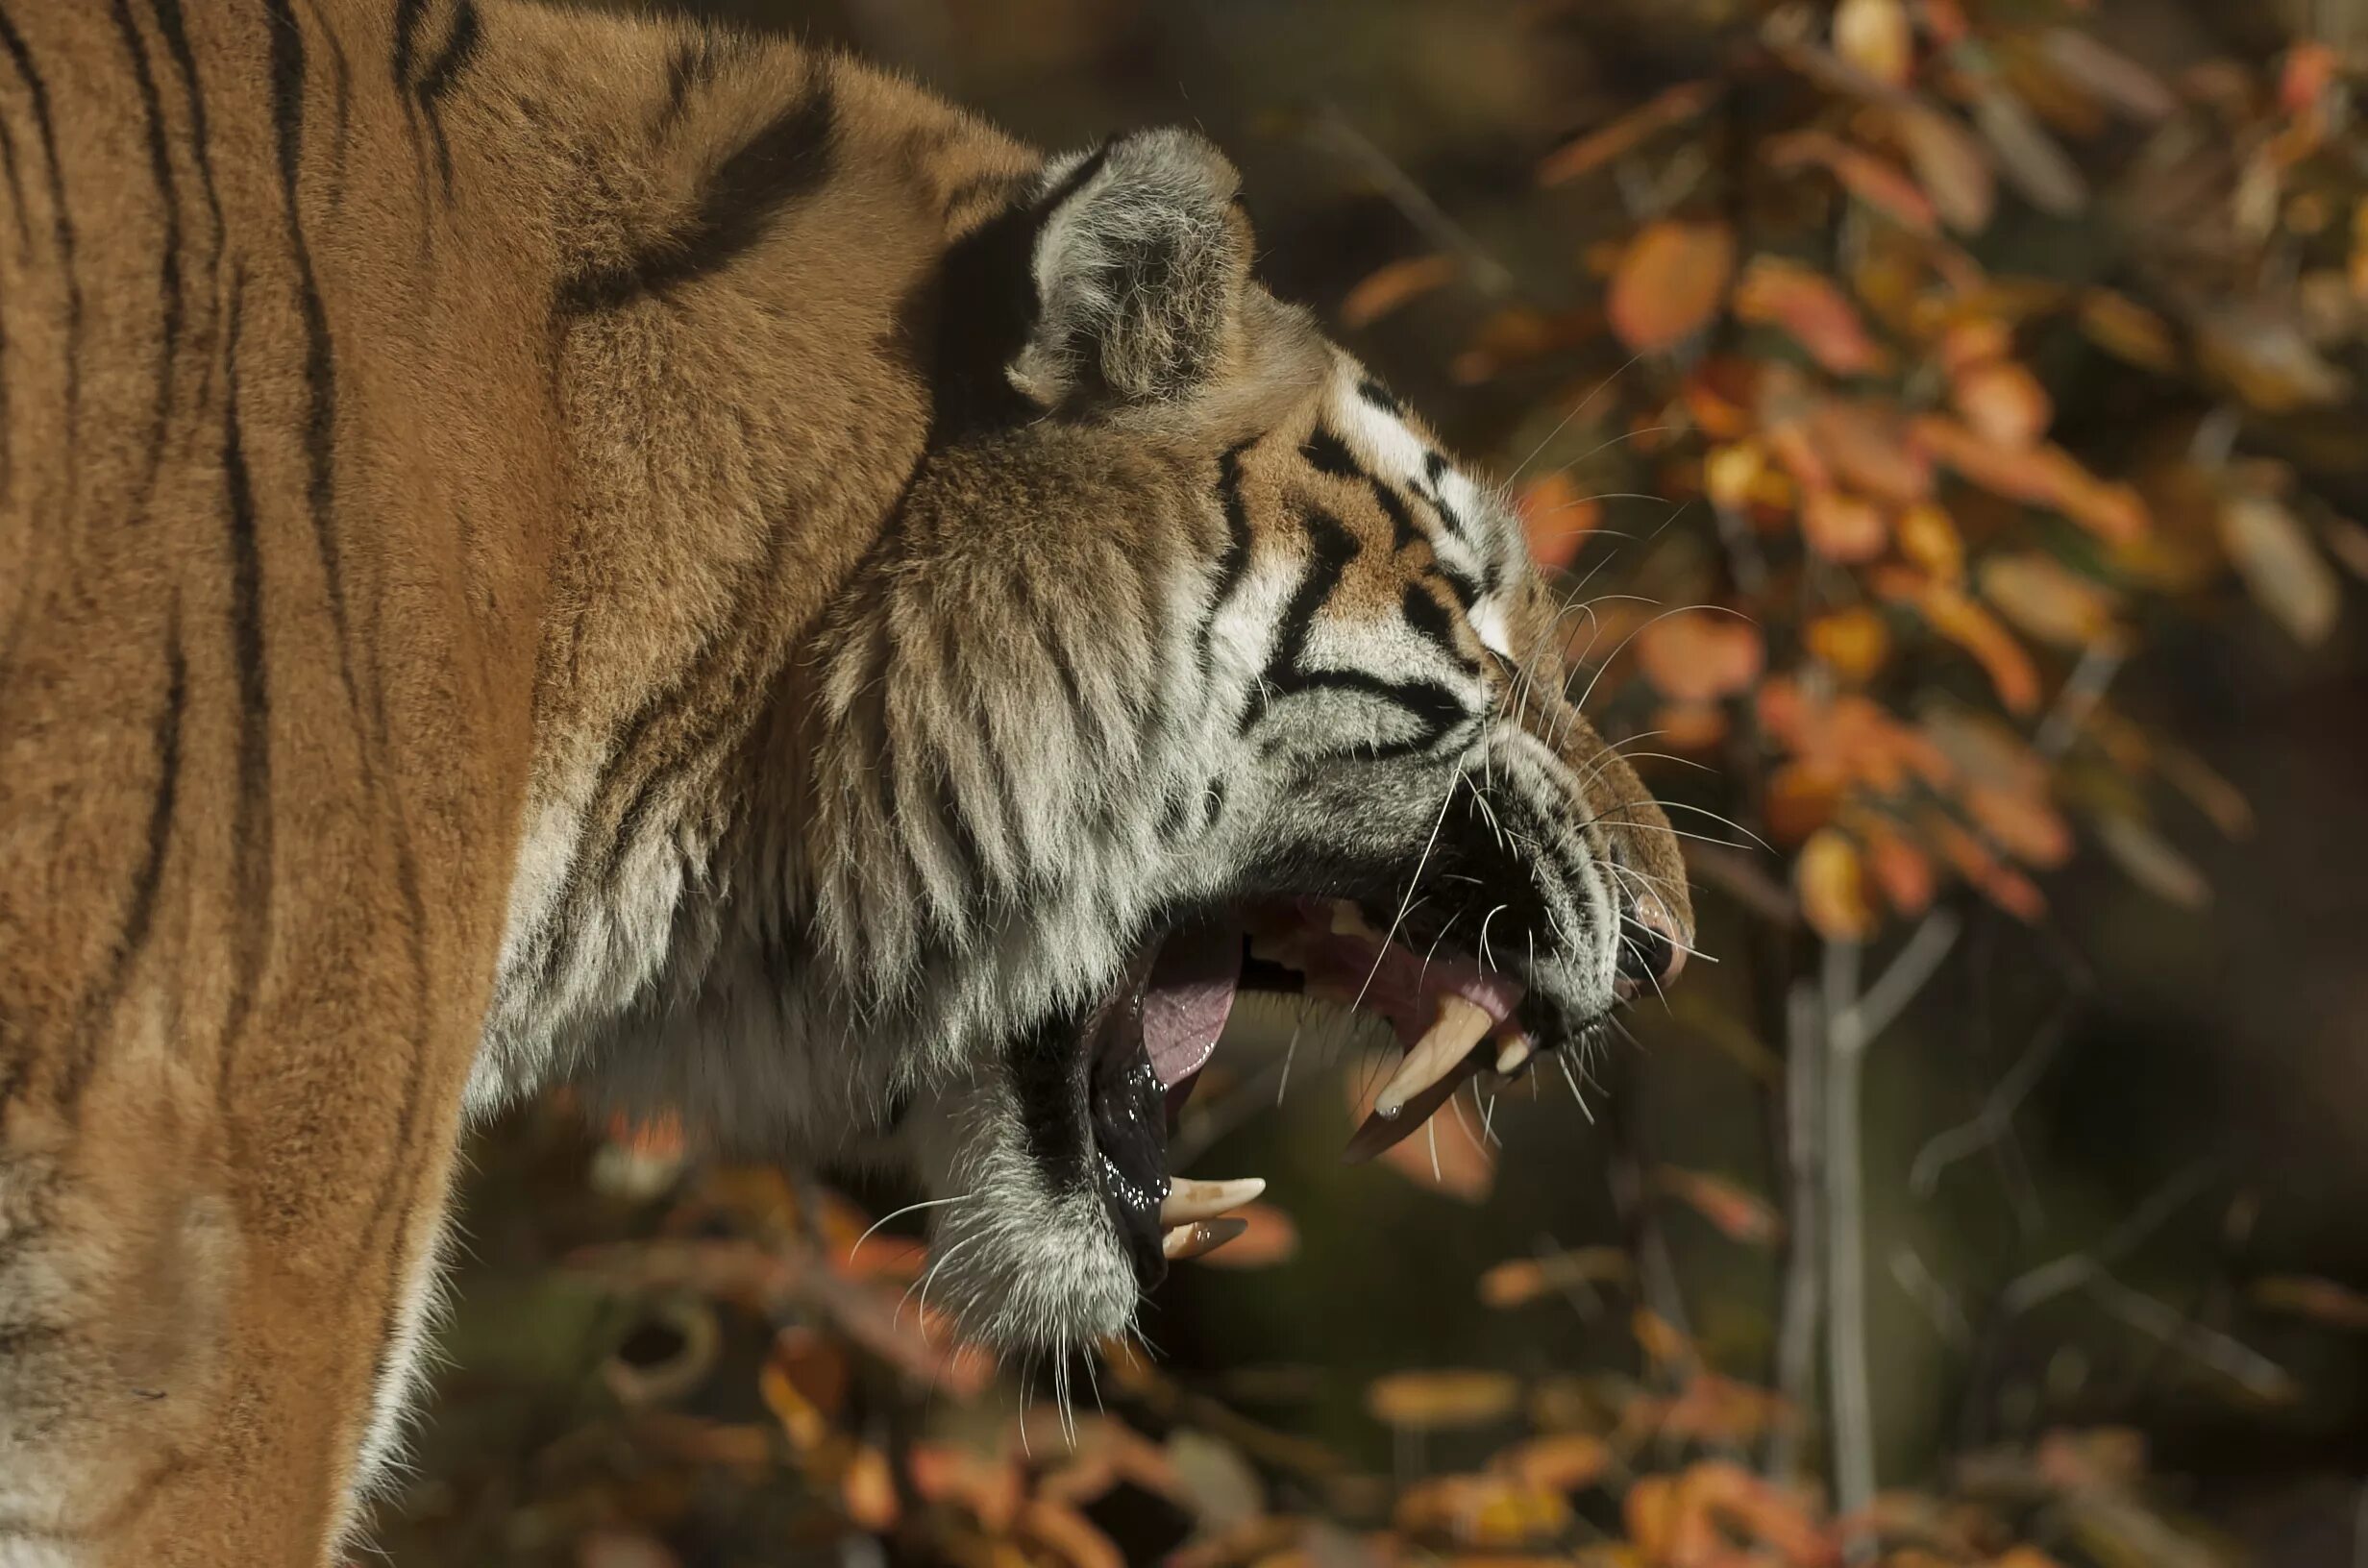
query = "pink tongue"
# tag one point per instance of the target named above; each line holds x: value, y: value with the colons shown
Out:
x: 1189, y: 994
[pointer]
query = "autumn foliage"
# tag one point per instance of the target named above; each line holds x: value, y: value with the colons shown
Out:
x: 1858, y: 544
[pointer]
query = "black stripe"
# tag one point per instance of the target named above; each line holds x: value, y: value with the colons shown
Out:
x: 409, y: 14
x: 139, y: 909
x: 176, y: 36
x: 1381, y: 398
x: 17, y: 186
x: 320, y: 426
x: 341, y: 94
x: 691, y: 67
x: 791, y: 158
x: 1233, y: 564
x: 62, y: 223
x: 1466, y: 592
x: 1327, y: 454
x: 1430, y: 620
x: 168, y: 260
x: 1402, y: 529
x: 443, y: 73
x: 1437, y: 710
x: 250, y: 819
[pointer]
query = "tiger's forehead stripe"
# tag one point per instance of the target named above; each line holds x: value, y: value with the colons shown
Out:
x: 1463, y: 524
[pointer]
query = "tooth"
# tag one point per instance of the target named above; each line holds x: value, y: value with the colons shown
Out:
x: 1462, y: 1024
x: 1200, y: 1237
x: 1514, y: 1056
x: 1189, y: 1200
x: 1380, y: 1132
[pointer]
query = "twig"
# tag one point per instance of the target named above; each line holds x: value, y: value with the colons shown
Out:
x: 2243, y: 1365
x: 1489, y: 275
x: 1996, y: 1117
x: 1897, y: 985
x: 2053, y: 1279
x: 2100, y: 661
x: 1853, y: 1020
x: 1851, y: 1408
x: 1797, y: 1312
x: 1920, y: 1284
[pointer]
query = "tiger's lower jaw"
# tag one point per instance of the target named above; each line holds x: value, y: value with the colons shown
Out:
x: 1057, y: 1209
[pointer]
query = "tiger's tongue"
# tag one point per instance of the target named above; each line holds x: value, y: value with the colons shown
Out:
x: 1188, y: 999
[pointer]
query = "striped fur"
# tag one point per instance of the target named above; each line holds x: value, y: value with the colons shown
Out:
x: 541, y: 548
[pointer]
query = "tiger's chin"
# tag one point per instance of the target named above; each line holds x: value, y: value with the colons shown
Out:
x: 1057, y: 1207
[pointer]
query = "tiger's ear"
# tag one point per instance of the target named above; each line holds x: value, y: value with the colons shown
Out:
x: 1140, y: 260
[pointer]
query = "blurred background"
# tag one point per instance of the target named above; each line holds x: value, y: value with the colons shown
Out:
x: 1946, y: 414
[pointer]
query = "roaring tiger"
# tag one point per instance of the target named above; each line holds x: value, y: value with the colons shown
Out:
x: 540, y: 548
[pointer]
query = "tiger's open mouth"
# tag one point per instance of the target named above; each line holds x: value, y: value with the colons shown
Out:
x: 1144, y: 1046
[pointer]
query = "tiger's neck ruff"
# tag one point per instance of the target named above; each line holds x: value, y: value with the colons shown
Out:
x: 537, y: 548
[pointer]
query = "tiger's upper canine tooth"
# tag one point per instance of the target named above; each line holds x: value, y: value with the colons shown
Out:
x: 1189, y: 1200
x: 1462, y: 1024
x: 1200, y: 1239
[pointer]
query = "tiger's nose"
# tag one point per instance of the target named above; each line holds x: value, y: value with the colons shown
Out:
x: 1651, y: 948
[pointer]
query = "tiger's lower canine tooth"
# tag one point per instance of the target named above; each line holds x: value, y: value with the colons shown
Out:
x: 1462, y: 1024
x: 1200, y: 1237
x: 1189, y: 1200
x: 1514, y: 1056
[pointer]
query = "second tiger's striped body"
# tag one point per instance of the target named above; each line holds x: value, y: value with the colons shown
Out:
x: 537, y: 546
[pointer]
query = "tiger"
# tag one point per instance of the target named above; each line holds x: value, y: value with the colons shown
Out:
x: 543, y: 547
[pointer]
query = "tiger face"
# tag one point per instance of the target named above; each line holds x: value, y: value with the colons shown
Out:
x: 1189, y: 662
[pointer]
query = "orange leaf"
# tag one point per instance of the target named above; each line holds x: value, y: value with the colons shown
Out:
x: 1557, y: 516
x: 1669, y: 283
x: 1832, y: 888
x: 2286, y: 574
x: 1738, y: 1214
x: 1069, y: 1536
x: 1903, y: 871
x: 1630, y: 130
x: 1929, y: 537
x: 1690, y: 726
x: 1810, y: 309
x: 2146, y: 858
x: 1717, y: 1500
x: 1950, y: 164
x: 2043, y: 475
x: 1662, y: 1342
x: 868, y: 1491
x: 804, y: 1382
x: 2003, y: 400
x: 1494, y: 1511
x: 1563, y: 1462
x: 1881, y: 185
x: 1978, y: 633
x: 1868, y: 444
x: 1852, y: 643
x: 1649, y: 1510
x: 1842, y: 528
x: 2323, y: 1301
x: 2128, y: 330
x: 2046, y: 599
x: 1874, y: 36
x: 1700, y: 656
x: 2309, y: 68
x: 1389, y: 287
x: 1270, y: 1239
x: 1431, y: 1400
x: 2022, y: 823
x: 2002, y: 885
x: 1801, y: 798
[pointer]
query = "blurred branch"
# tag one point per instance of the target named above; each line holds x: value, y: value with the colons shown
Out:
x: 1797, y: 1311
x: 1918, y: 1283
x: 1851, y: 1406
x: 1854, y: 1018
x: 1996, y: 1117
x: 1332, y: 128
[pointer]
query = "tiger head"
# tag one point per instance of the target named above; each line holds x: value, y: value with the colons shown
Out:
x: 1189, y: 661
